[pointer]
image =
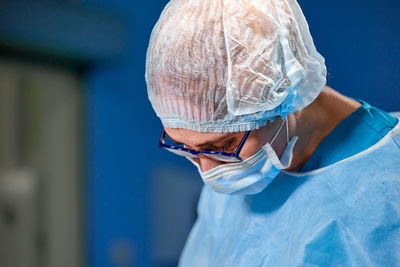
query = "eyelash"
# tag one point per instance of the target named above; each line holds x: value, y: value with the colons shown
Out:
x: 225, y: 147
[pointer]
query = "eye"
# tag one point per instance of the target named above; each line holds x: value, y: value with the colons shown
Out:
x: 225, y: 147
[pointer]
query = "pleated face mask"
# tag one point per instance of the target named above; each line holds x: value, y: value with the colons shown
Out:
x: 253, y: 174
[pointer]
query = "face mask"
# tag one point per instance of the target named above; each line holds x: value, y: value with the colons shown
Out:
x: 253, y: 174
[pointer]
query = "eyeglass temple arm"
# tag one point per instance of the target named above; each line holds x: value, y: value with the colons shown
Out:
x: 242, y: 142
x: 161, y: 137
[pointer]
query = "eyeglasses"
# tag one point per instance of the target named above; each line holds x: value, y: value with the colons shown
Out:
x: 180, y: 150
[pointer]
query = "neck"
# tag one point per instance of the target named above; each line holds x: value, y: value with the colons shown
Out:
x: 316, y: 121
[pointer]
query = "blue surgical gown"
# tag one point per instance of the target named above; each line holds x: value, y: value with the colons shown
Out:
x: 343, y: 214
x: 360, y: 130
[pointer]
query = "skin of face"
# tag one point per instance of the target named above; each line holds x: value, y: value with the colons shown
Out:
x: 227, y: 142
x: 311, y: 125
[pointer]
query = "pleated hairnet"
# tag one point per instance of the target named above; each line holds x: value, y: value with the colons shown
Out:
x: 231, y: 65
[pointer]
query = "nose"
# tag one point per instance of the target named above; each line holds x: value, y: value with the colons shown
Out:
x: 207, y: 163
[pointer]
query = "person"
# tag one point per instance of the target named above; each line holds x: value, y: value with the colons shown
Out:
x: 295, y: 173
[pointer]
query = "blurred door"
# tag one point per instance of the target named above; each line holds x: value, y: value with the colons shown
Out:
x: 18, y: 222
x: 40, y: 166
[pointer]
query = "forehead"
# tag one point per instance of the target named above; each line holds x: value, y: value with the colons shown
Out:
x: 191, y: 137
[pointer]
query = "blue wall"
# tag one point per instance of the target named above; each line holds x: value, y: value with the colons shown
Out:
x: 359, y: 39
x: 123, y: 136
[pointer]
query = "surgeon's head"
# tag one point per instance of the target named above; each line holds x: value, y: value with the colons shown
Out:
x: 218, y: 68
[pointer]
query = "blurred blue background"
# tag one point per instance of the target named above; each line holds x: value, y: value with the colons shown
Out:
x: 138, y: 201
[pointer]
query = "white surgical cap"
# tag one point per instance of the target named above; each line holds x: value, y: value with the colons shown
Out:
x: 231, y: 65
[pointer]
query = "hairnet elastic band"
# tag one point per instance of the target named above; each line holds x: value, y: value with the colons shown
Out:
x: 215, y: 126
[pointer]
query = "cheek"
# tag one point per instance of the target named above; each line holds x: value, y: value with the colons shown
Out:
x: 251, y: 147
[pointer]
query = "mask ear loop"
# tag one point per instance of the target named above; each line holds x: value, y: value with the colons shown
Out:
x: 279, y: 130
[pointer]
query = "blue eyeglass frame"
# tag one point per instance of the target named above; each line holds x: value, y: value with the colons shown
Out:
x: 235, y: 154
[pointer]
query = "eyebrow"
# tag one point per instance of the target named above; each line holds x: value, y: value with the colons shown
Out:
x: 208, y: 143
